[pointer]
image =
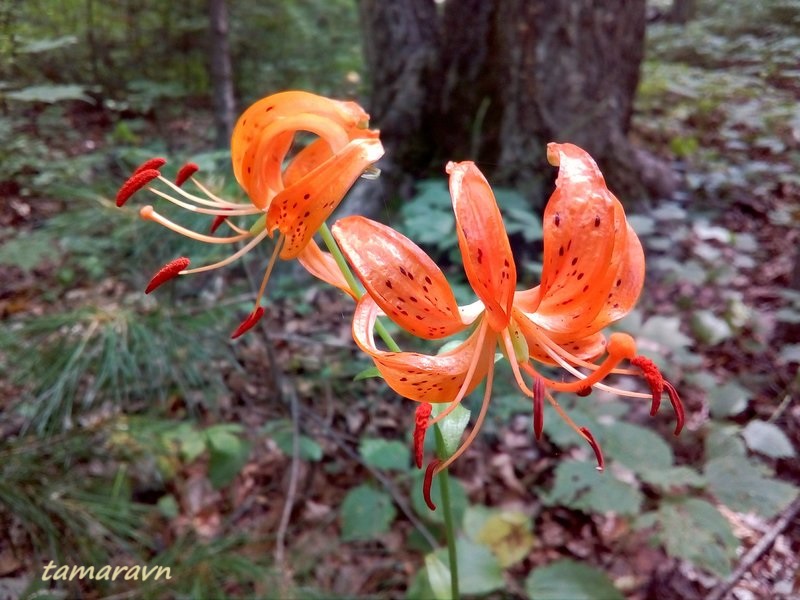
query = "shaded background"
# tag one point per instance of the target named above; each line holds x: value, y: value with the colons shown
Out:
x: 133, y: 431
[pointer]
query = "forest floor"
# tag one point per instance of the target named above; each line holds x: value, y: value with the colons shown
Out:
x: 722, y: 256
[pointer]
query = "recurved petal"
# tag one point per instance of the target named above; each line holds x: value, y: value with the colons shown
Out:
x: 299, y: 210
x: 290, y: 103
x: 482, y: 238
x: 400, y: 277
x: 584, y: 230
x: 322, y: 266
x: 422, y: 377
x: 308, y: 159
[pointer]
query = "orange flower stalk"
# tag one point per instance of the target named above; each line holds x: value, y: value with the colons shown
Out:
x: 592, y: 275
x: 294, y: 198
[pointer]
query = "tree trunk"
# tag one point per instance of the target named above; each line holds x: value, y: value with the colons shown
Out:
x: 682, y: 11
x: 504, y: 77
x: 221, y: 72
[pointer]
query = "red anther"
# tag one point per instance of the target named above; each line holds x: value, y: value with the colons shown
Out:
x: 246, y: 325
x: 653, y: 378
x: 151, y: 163
x: 167, y: 272
x: 538, y: 407
x: 134, y: 183
x: 598, y: 453
x: 421, y: 417
x: 185, y: 172
x: 218, y: 220
x: 677, y: 405
x: 428, y: 481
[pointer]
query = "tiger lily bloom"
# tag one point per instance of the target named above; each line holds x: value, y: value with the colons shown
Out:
x: 593, y: 272
x: 294, y: 199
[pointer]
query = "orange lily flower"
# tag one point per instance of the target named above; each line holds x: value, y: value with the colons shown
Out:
x: 294, y: 199
x: 592, y: 275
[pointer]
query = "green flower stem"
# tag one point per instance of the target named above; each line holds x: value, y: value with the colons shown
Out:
x: 441, y: 451
x: 333, y: 247
x: 449, y: 526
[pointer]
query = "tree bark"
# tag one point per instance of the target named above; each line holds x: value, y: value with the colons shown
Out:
x: 221, y: 72
x: 501, y: 78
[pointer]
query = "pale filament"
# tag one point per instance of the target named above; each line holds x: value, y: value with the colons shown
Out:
x: 543, y: 341
x: 467, y: 379
x: 270, y: 265
x: 147, y: 213
x: 546, y: 341
x: 216, y: 198
x: 478, y: 423
x: 212, y: 200
x: 237, y: 229
x: 206, y: 211
x: 238, y: 254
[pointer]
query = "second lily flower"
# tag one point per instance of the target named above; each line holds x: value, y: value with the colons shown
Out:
x: 592, y: 275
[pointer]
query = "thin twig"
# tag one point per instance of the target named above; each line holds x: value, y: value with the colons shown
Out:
x: 763, y: 545
x: 387, y: 483
x: 285, y: 390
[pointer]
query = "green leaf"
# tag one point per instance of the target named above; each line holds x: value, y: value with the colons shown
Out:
x: 506, y: 533
x: 452, y: 426
x: 579, y: 485
x: 674, y: 477
x: 724, y: 440
x: 744, y: 486
x: 191, y: 442
x: 768, y: 439
x: 438, y: 576
x: 366, y: 513
x: 728, y: 400
x: 567, y: 578
x: 50, y: 93
x: 280, y: 431
x: 709, y: 328
x: 168, y: 506
x: 367, y: 373
x: 385, y: 454
x: 639, y: 449
x: 229, y: 453
x: 479, y: 571
x: 693, y: 529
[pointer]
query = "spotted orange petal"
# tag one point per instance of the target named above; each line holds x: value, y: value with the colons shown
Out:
x: 483, y: 241
x: 585, y: 348
x: 298, y: 211
x: 322, y: 266
x: 422, y: 377
x: 266, y: 111
x: 585, y: 236
x: 400, y: 277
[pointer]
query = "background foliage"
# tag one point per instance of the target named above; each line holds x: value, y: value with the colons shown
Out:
x: 132, y: 431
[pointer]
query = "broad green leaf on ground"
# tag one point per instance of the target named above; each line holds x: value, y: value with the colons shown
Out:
x: 665, y: 331
x: 385, y: 454
x: 709, y: 328
x: 458, y: 499
x: 280, y: 431
x: 579, y: 485
x: 438, y: 577
x: 674, y: 477
x: 569, y: 579
x: 478, y: 570
x: 728, y: 400
x: 639, y: 449
x: 191, y: 441
x: 366, y: 513
x: 452, y: 426
x: 506, y: 533
x: 50, y: 93
x: 693, y: 529
x: 723, y: 440
x: 747, y: 487
x: 767, y: 439
x: 229, y: 453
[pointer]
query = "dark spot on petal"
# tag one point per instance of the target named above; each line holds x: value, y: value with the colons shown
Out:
x: 574, y: 261
x: 580, y: 276
x: 557, y: 220
x: 306, y: 196
x: 597, y: 221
